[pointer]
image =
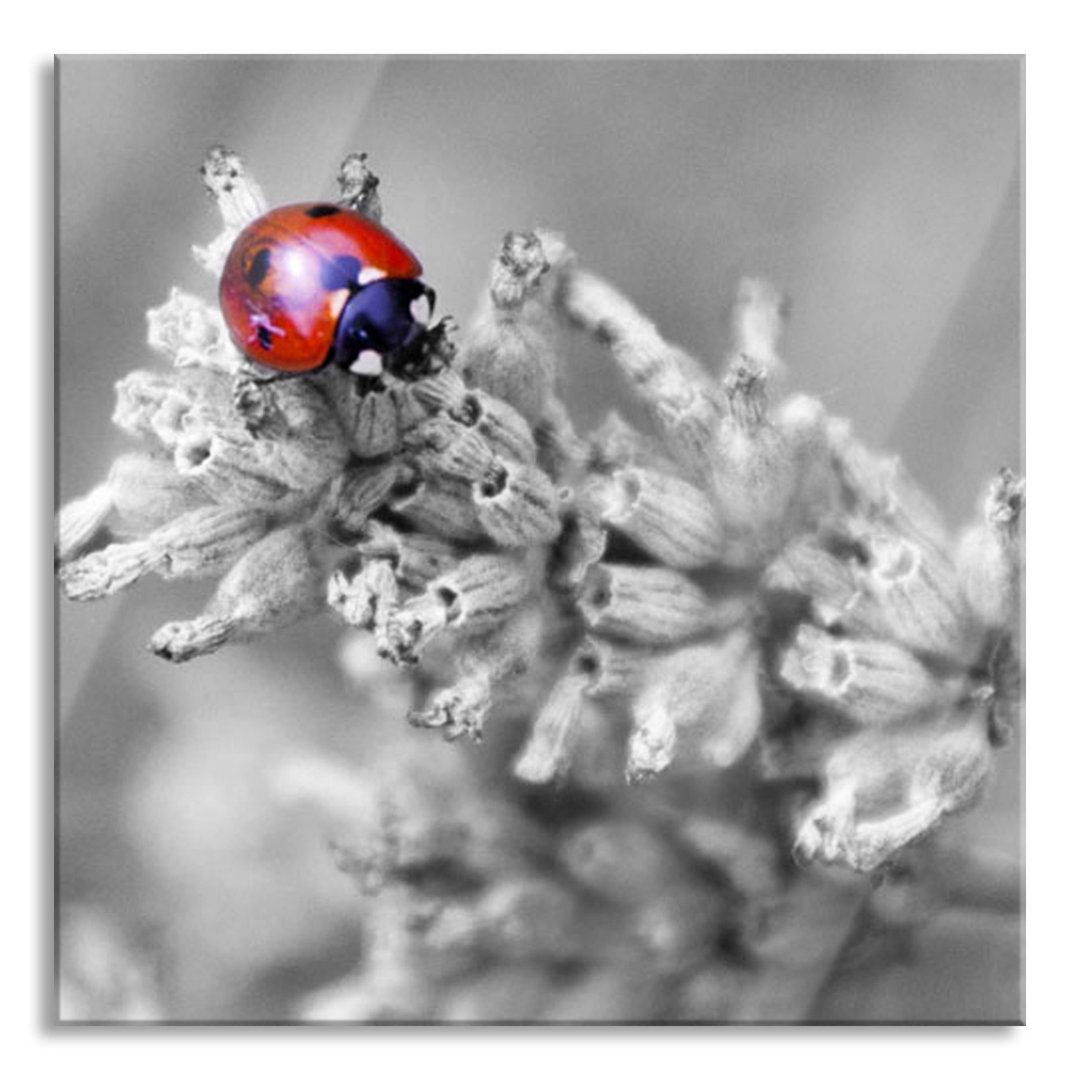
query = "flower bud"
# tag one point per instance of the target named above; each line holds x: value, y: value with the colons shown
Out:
x: 651, y: 605
x: 483, y: 590
x: 300, y: 442
x: 504, y: 429
x: 519, y: 271
x: 668, y: 518
x: 871, y: 682
x: 191, y: 332
x: 511, y: 360
x: 667, y: 380
x: 442, y: 447
x: 517, y: 506
x: 439, y: 507
x: 886, y: 788
x: 490, y: 664
x: 359, y: 187
x: 357, y: 493
x: 459, y: 710
x: 548, y: 754
x: 989, y: 556
x: 204, y: 541
x: 757, y: 323
x: 687, y: 414
x: 369, y: 417
x: 227, y: 467
x: 509, y: 350
x: 200, y: 543
x: 478, y: 594
x: 278, y: 581
x: 755, y: 475
x: 444, y: 391
x: 910, y: 593
x: 102, y: 573
x: 239, y: 199
x: 410, y: 411
x: 700, y: 702
x: 238, y: 196
x: 148, y: 403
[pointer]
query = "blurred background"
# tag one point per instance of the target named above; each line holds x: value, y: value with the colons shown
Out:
x: 883, y: 195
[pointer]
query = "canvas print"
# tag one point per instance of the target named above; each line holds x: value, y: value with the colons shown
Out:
x: 539, y: 540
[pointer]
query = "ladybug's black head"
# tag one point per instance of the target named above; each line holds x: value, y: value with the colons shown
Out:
x: 382, y: 324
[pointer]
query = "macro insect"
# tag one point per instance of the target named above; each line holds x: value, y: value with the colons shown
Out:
x: 314, y: 284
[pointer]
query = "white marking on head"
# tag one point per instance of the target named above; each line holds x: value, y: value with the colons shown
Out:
x: 370, y: 273
x: 369, y: 362
x: 420, y: 310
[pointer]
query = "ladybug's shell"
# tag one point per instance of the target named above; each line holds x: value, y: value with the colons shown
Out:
x: 282, y: 289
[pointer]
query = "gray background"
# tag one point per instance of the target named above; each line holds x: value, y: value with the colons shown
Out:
x: 883, y: 195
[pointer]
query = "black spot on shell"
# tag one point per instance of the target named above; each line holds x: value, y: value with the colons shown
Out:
x: 340, y: 272
x: 264, y: 336
x: 321, y: 210
x: 260, y: 265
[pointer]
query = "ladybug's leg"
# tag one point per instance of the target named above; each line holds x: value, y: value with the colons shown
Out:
x: 433, y: 351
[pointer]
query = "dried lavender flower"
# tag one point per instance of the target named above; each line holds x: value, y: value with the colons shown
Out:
x: 277, y: 581
x: 699, y: 705
x: 871, y: 682
x: 758, y: 317
x: 988, y: 554
x: 745, y: 595
x: 940, y: 767
x: 669, y: 382
x: 673, y: 521
x: 550, y: 750
x: 359, y: 187
x: 188, y: 331
x: 510, y: 349
x: 754, y: 478
x: 652, y: 605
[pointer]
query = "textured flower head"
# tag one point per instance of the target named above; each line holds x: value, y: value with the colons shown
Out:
x: 746, y: 592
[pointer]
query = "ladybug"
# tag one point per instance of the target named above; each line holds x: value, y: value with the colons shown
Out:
x: 314, y: 284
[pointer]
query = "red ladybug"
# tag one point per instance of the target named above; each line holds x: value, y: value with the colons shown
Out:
x: 314, y: 284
